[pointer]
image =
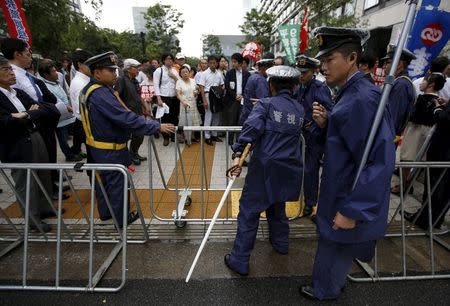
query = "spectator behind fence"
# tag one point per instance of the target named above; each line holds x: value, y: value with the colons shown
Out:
x: 128, y: 88
x: 18, y: 53
x: 366, y: 65
x: 48, y: 72
x: 235, y: 81
x: 21, y: 141
x: 438, y: 65
x: 164, y: 80
x: 187, y: 93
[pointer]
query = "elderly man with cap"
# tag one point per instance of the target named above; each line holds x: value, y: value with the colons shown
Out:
x: 273, y: 128
x: 108, y: 124
x: 257, y: 86
x: 309, y: 91
x: 402, y: 96
x: 349, y: 221
x: 129, y: 92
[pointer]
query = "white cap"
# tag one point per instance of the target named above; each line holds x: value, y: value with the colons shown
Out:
x: 130, y: 62
x: 180, y: 56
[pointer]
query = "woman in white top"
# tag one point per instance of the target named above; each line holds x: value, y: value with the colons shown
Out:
x: 186, y: 93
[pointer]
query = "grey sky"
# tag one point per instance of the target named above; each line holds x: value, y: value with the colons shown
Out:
x: 201, y: 17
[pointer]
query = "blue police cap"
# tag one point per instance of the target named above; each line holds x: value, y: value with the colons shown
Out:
x: 331, y: 38
x: 283, y: 72
x: 305, y: 63
x: 406, y: 54
x: 104, y: 60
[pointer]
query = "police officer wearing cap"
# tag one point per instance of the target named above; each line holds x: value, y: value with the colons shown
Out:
x: 309, y: 91
x: 349, y: 221
x: 257, y: 86
x: 108, y: 124
x: 402, y: 95
x: 273, y: 128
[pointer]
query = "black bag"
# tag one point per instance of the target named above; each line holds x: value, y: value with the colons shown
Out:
x: 216, y: 96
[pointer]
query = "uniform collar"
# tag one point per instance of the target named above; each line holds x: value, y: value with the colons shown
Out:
x: 353, y: 79
x: 284, y: 92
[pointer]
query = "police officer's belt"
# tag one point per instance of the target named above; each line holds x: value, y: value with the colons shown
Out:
x: 90, y: 141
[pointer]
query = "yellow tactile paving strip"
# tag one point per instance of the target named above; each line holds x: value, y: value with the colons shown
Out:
x: 164, y: 201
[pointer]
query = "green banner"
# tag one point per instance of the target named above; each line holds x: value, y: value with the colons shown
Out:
x: 289, y: 36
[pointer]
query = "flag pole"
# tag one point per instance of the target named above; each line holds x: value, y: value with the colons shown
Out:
x: 389, y: 81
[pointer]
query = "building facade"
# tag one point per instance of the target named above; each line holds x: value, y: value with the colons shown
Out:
x: 229, y: 44
x: 138, y: 19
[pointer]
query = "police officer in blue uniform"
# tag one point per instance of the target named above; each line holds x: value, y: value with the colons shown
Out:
x: 273, y: 128
x: 349, y: 221
x: 309, y: 91
x: 402, y: 95
x: 257, y: 86
x: 108, y: 125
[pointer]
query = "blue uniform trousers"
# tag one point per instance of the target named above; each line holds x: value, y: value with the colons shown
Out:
x: 313, y: 153
x: 333, y: 262
x: 248, y: 222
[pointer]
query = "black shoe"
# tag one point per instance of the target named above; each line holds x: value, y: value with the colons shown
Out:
x: 307, y: 211
x: 105, y: 218
x: 132, y: 216
x: 166, y: 142
x: 82, y: 154
x: 226, y: 259
x: 313, y: 219
x: 135, y: 161
x: 278, y: 250
x: 64, y: 188
x: 44, y: 227
x: 74, y: 158
x: 64, y: 196
x: 307, y: 292
x: 409, y: 216
x: 141, y: 158
x: 50, y: 214
x: 216, y: 139
x: 209, y: 142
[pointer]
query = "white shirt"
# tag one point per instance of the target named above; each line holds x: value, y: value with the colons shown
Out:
x: 197, y: 77
x: 141, y: 77
x: 167, y: 88
x: 238, y: 82
x: 78, y: 83
x: 12, y: 96
x: 210, y: 78
x: 24, y: 83
x: 444, y: 92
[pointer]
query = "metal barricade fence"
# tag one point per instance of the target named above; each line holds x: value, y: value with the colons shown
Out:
x: 431, y: 234
x: 183, y: 194
x: 65, y: 233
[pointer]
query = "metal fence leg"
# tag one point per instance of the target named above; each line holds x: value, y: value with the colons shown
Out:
x: 430, y: 223
x: 158, y: 162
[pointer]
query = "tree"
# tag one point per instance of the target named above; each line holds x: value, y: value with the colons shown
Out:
x: 163, y: 24
x: 211, y: 44
x: 258, y: 27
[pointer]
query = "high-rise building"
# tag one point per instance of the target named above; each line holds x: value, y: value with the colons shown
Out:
x: 138, y: 19
x: 229, y: 44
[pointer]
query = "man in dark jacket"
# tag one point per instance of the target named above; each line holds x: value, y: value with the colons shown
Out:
x: 235, y: 81
x: 21, y: 142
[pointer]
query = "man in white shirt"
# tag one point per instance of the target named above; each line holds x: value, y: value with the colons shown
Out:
x: 210, y: 77
x: 80, y: 80
x: 438, y: 65
x: 164, y: 81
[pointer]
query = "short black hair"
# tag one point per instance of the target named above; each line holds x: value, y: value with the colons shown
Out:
x: 165, y: 56
x: 149, y: 69
x: 439, y: 64
x: 45, y: 66
x: 283, y: 83
x: 348, y: 48
x: 224, y: 57
x: 3, y: 61
x: 237, y: 57
x: 247, y: 60
x: 438, y: 79
x: 213, y: 57
x: 12, y: 45
x: 183, y: 67
x: 80, y: 56
x: 368, y: 59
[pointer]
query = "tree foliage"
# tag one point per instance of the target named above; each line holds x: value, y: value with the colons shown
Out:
x: 163, y: 24
x: 258, y: 27
x: 211, y: 45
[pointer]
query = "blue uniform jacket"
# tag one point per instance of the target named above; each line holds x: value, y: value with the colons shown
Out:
x: 401, y: 101
x: 314, y: 91
x: 348, y: 128
x: 111, y: 122
x: 257, y: 87
x: 274, y: 174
